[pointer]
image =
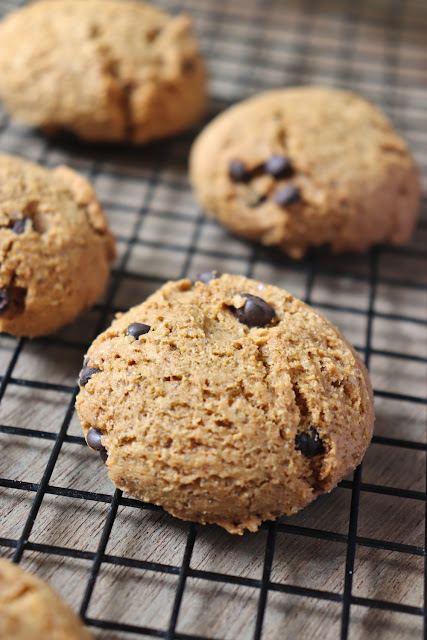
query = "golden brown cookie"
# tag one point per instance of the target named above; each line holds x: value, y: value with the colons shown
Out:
x: 304, y: 167
x: 31, y: 610
x: 117, y: 70
x: 55, y: 247
x: 227, y: 401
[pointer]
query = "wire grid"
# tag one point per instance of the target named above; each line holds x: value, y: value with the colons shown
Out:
x: 379, y: 300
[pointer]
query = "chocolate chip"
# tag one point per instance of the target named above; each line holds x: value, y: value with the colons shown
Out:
x: 287, y: 195
x: 137, y: 329
x: 309, y: 443
x: 86, y: 374
x: 93, y: 439
x: 278, y: 167
x: 4, y: 300
x: 189, y: 66
x: 254, y: 199
x: 207, y: 276
x: 238, y: 172
x: 255, y: 312
x: 19, y: 226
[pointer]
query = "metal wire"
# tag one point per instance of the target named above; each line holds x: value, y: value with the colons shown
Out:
x: 291, y: 64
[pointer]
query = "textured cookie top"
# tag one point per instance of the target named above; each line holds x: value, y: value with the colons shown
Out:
x: 307, y: 166
x: 29, y: 608
x: 55, y: 246
x: 227, y: 402
x: 105, y: 69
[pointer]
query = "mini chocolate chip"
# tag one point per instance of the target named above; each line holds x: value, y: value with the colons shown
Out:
x: 19, y: 226
x: 255, y: 312
x: 287, y: 195
x: 93, y: 439
x: 238, y: 172
x: 207, y: 276
x: 254, y: 199
x: 189, y: 66
x: 4, y: 300
x: 278, y: 167
x: 86, y: 374
x: 309, y: 443
x: 137, y: 329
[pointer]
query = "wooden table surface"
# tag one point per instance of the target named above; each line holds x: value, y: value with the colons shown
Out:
x: 380, y: 300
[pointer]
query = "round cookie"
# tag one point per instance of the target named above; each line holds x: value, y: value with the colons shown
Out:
x: 304, y: 167
x: 107, y: 70
x: 227, y: 401
x: 55, y: 247
x: 29, y: 608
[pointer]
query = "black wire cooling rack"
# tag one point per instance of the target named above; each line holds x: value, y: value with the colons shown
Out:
x: 352, y: 565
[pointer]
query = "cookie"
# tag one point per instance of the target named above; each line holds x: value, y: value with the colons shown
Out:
x: 106, y: 70
x: 29, y: 608
x: 55, y: 247
x: 305, y: 167
x: 227, y: 401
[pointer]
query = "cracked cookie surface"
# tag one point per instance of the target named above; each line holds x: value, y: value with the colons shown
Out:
x: 227, y: 401
x: 304, y: 167
x: 30, y: 608
x: 55, y: 247
x: 107, y: 70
